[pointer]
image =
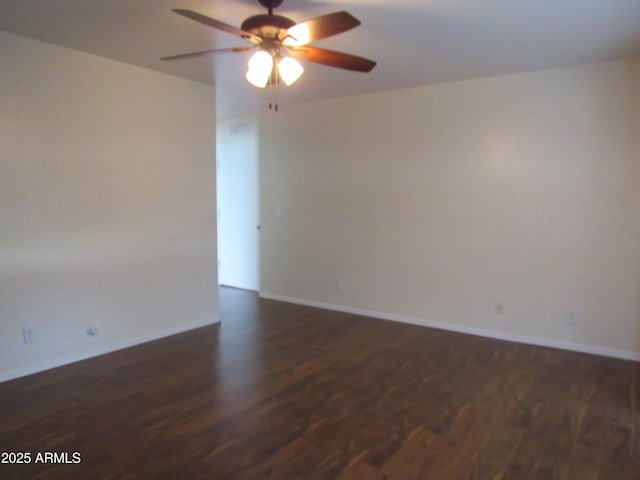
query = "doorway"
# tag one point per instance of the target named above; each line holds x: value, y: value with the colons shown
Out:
x: 238, y: 219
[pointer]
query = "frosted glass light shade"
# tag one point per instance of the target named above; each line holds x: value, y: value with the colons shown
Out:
x: 289, y: 69
x: 260, y: 67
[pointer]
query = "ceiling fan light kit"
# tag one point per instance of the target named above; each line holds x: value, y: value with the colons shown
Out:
x: 269, y: 66
x: 281, y: 42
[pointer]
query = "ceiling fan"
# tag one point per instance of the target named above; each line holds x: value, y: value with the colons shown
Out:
x: 280, y: 42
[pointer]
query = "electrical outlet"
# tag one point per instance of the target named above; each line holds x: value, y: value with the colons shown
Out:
x: 571, y: 317
x: 28, y: 335
x: 339, y: 286
x: 499, y: 308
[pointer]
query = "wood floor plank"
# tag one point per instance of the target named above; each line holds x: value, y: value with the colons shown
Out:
x: 282, y: 391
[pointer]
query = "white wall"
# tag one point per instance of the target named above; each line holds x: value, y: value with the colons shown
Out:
x: 107, y: 187
x: 432, y: 204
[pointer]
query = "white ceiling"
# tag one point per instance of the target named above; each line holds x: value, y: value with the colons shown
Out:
x: 415, y: 42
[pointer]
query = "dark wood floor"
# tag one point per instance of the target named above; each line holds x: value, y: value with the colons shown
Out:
x: 288, y: 392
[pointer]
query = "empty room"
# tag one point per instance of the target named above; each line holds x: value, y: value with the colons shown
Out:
x: 301, y: 239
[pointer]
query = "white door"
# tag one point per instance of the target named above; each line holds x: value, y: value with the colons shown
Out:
x: 238, y: 223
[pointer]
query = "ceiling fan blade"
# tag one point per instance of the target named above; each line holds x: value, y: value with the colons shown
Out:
x: 207, y: 52
x: 318, y: 28
x: 198, y: 17
x: 333, y: 59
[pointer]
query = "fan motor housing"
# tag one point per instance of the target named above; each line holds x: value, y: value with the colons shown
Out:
x: 267, y: 26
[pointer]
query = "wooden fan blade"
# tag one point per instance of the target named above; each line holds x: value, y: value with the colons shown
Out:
x: 333, y: 59
x: 318, y: 28
x: 217, y: 24
x: 207, y: 52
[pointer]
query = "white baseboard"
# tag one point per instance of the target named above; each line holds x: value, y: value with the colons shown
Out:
x: 496, y: 334
x: 112, y: 347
